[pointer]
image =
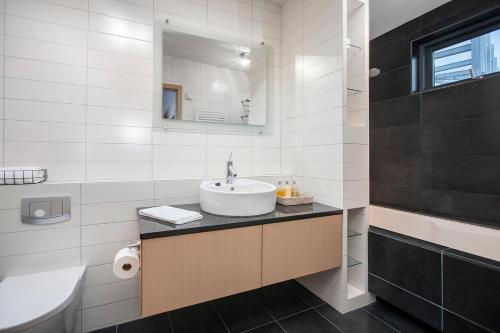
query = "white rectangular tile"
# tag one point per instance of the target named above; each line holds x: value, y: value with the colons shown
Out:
x: 45, y: 11
x: 16, y: 151
x: 44, y: 111
x: 105, y: 315
x: 119, y: 62
x: 118, y: 134
x: 122, y: 10
x: 38, y: 262
x: 44, y: 91
x: 101, y: 254
x: 45, y: 51
x: 109, y: 232
x: 120, y: 81
x: 38, y: 241
x: 43, y: 131
x: 117, y: 44
x: 177, y: 188
x: 44, y: 71
x: 120, y: 27
x: 179, y: 169
x: 166, y: 153
x: 110, y: 293
x: 112, y: 212
x: 120, y: 98
x: 101, y: 192
x: 45, y: 31
x: 97, y: 152
x: 104, y: 115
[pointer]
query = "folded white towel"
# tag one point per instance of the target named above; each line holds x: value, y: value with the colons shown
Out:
x: 171, y: 214
x: 21, y: 175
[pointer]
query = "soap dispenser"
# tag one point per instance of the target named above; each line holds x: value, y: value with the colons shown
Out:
x: 279, y: 189
x: 287, y: 189
x: 295, y: 189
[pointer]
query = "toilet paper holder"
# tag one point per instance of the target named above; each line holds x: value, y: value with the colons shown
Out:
x: 135, y: 245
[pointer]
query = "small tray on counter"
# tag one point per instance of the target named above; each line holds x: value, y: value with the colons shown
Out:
x: 302, y: 199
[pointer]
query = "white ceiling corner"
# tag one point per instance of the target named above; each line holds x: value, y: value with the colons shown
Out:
x: 386, y: 15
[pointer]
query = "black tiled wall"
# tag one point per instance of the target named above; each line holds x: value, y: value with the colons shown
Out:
x: 450, y: 290
x: 435, y: 152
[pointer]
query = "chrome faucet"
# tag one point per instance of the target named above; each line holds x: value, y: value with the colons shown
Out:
x: 230, y: 172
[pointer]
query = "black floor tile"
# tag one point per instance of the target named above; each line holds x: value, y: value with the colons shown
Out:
x: 154, y: 324
x: 304, y: 294
x: 398, y: 319
x: 280, y: 301
x: 455, y: 324
x: 269, y: 328
x: 306, y: 322
x: 358, y: 321
x: 242, y: 312
x: 328, y: 311
x: 197, y: 318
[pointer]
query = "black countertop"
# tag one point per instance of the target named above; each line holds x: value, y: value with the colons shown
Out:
x: 151, y: 228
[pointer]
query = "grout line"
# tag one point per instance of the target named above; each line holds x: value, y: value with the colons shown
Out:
x: 170, y: 321
x: 338, y: 328
x: 257, y: 327
x: 270, y: 314
x: 400, y: 288
x: 442, y: 290
x: 220, y: 316
x: 379, y: 319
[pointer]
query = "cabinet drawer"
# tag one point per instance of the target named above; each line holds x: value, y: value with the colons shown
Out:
x: 184, y: 270
x: 298, y: 248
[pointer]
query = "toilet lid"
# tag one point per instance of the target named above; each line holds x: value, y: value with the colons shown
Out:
x: 33, y: 298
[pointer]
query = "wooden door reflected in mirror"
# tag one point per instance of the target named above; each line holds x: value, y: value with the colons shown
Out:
x: 172, y: 101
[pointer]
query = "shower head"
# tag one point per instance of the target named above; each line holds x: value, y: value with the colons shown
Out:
x: 374, y: 72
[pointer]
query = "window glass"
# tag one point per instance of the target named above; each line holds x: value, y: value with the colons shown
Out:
x: 468, y: 59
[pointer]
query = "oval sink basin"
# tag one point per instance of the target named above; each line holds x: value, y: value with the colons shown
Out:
x: 244, y: 197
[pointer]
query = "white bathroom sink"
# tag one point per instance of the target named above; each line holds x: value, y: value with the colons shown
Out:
x: 245, y: 197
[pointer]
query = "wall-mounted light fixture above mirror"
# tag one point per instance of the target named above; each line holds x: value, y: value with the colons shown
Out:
x: 209, y: 79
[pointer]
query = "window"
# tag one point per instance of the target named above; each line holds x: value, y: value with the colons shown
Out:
x: 469, y: 52
x: 468, y: 59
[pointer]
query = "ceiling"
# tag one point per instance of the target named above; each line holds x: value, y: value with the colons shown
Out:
x: 386, y: 15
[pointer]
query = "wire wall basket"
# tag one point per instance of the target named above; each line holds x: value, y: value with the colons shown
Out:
x: 13, y: 176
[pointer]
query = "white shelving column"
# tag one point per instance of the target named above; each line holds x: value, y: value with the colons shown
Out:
x: 356, y: 152
x: 346, y: 288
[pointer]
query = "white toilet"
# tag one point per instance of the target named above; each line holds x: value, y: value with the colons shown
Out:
x: 46, y: 302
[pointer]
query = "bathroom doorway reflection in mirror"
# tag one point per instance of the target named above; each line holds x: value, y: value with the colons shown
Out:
x: 172, y: 101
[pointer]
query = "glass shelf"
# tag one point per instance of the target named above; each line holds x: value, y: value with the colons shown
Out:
x: 351, y: 262
x: 352, y: 233
x: 353, y: 46
x: 352, y: 91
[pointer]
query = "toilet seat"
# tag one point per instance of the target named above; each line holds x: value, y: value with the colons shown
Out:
x: 28, y: 300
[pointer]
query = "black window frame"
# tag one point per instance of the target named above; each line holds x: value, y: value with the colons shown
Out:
x: 423, y: 48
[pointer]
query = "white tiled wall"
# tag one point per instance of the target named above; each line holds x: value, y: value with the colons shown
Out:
x: 78, y: 82
x: 312, y: 97
x: 78, y: 88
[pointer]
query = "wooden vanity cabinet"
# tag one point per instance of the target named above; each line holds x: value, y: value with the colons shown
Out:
x: 298, y: 248
x: 183, y: 270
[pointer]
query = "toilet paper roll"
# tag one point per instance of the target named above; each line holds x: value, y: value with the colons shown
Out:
x: 126, y: 263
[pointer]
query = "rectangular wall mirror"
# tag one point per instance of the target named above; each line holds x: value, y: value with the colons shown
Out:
x: 212, y: 80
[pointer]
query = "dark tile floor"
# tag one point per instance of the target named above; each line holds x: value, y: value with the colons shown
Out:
x: 286, y: 307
